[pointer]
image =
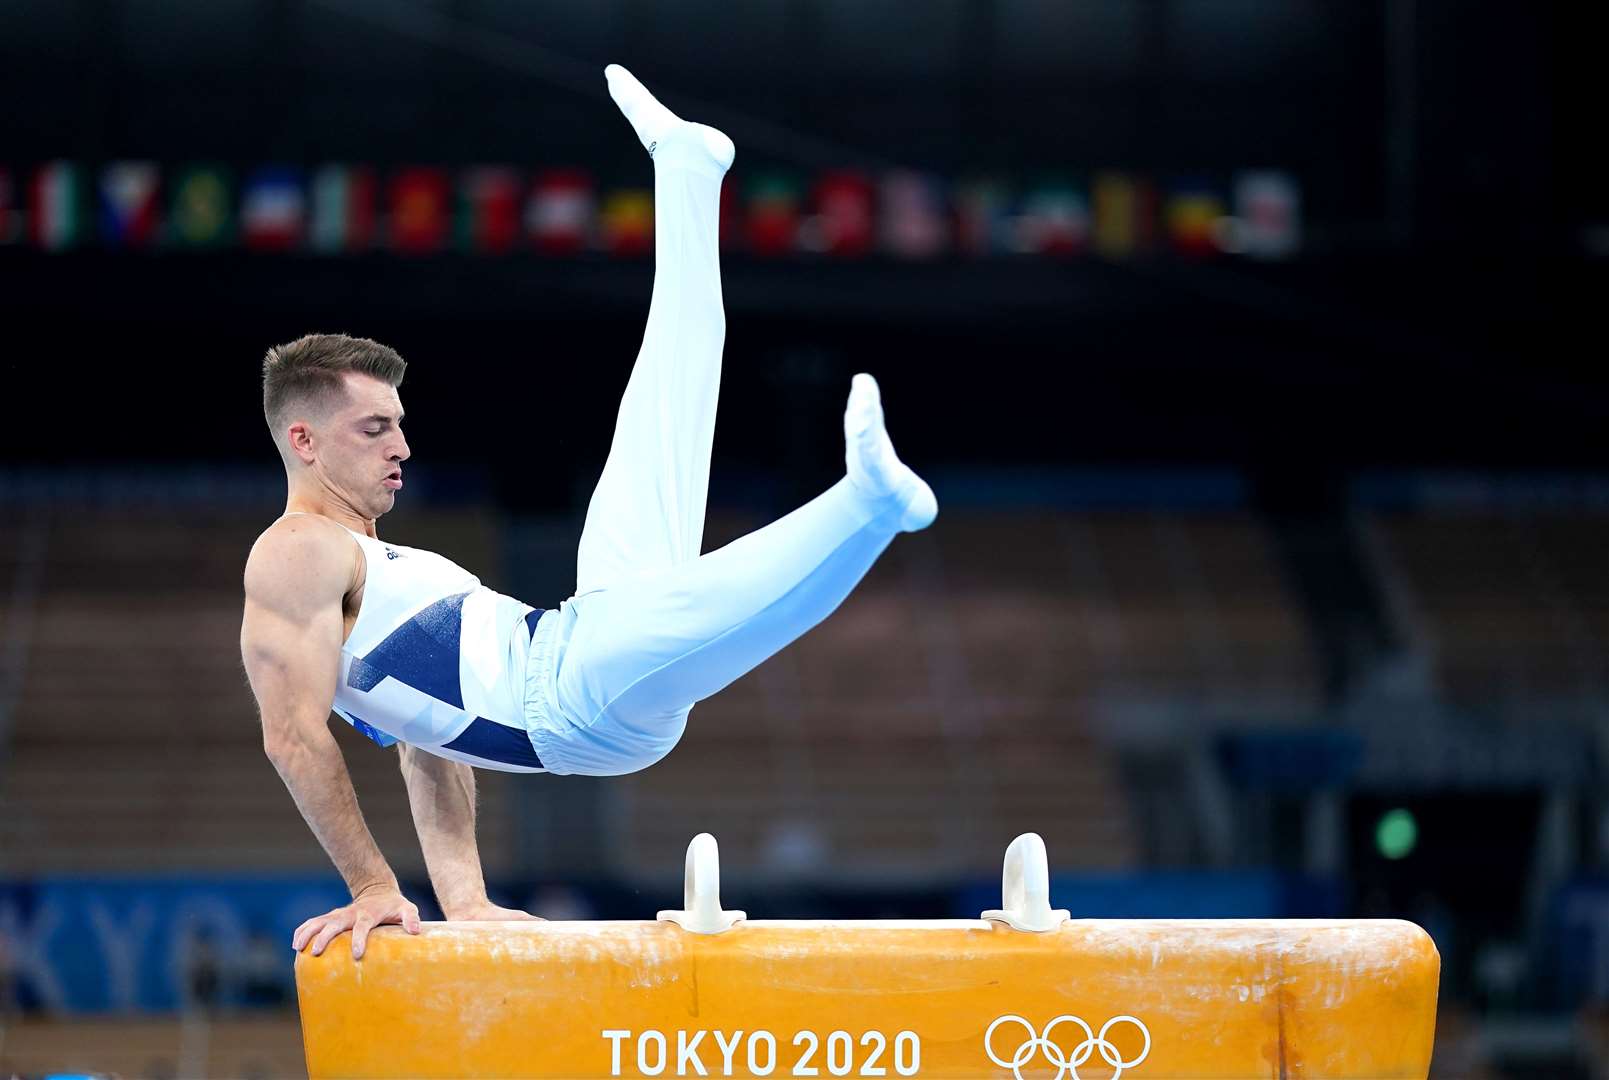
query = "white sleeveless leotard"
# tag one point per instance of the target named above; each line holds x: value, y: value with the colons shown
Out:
x: 438, y: 661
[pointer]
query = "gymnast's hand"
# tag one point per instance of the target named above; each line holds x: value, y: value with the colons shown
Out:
x: 486, y: 911
x: 371, y: 908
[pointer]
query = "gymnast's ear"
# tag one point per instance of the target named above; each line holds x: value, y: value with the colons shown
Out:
x: 299, y: 440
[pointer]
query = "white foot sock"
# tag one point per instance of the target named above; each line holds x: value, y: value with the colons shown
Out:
x: 667, y: 137
x: 873, y: 466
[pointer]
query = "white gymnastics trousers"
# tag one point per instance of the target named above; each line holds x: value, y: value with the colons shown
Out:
x: 654, y: 626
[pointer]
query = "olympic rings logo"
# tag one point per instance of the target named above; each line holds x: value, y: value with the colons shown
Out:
x: 1066, y: 1066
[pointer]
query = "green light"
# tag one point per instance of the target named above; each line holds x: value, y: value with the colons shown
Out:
x: 1396, y: 834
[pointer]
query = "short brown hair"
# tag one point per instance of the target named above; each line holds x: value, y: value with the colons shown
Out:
x: 310, y: 368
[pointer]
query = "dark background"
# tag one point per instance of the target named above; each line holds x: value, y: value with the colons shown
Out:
x: 1440, y: 313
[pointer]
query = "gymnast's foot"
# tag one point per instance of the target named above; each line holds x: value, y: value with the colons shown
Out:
x: 668, y: 138
x: 873, y: 466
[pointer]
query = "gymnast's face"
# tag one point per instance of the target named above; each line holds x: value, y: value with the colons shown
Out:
x: 358, y: 446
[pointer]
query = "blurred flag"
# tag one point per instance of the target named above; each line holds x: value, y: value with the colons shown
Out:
x: 627, y: 221
x: 273, y: 209
x: 983, y: 220
x: 559, y: 215
x: 1195, y: 214
x: 1267, y: 214
x: 731, y: 214
x: 57, y: 218
x: 128, y: 201
x: 1124, y: 215
x: 489, y: 210
x: 842, y: 224
x: 9, y: 215
x: 343, y: 209
x: 1054, y: 220
x: 915, y: 221
x: 199, y: 207
x: 771, y: 213
x: 419, y: 211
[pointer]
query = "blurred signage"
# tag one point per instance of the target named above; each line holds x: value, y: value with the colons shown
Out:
x: 844, y: 223
x: 419, y: 211
x: 731, y: 213
x: 1054, y: 220
x: 627, y: 222
x: 1195, y: 216
x: 772, y: 214
x: 1268, y: 214
x: 914, y: 216
x: 343, y: 209
x: 1580, y: 939
x: 496, y: 209
x: 1416, y: 748
x: 559, y: 217
x: 489, y: 210
x: 1300, y: 761
x: 983, y: 216
x: 201, y: 209
x: 273, y: 209
x: 1124, y: 215
x: 96, y: 945
x: 128, y: 204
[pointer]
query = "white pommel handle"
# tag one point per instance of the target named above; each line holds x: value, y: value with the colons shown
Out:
x: 702, y: 891
x: 1025, y: 888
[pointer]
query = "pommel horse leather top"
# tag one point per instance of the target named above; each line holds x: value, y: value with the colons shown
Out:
x: 1023, y: 992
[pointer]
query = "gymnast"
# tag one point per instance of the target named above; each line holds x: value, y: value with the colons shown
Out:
x: 413, y: 650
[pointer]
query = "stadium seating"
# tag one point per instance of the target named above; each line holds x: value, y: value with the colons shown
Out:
x: 952, y: 702
x: 1510, y: 607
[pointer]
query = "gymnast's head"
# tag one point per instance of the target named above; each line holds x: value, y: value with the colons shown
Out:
x: 332, y: 407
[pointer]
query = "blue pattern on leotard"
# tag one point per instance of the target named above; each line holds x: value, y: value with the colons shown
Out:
x: 423, y: 653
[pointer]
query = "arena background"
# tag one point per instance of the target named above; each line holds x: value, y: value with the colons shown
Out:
x: 1252, y: 349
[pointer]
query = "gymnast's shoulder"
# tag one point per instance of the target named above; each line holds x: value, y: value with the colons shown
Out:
x: 303, y: 553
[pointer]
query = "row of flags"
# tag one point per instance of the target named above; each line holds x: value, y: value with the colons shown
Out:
x: 422, y: 210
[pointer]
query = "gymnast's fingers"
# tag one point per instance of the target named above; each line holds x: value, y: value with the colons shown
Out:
x: 338, y: 923
x: 304, y: 933
x: 362, y: 923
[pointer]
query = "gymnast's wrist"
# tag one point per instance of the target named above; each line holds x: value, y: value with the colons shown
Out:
x: 376, y: 886
x: 459, y: 905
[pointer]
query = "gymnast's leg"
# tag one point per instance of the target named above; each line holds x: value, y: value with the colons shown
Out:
x: 647, y: 512
x: 651, y: 645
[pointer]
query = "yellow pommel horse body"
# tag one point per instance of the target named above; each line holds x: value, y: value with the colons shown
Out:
x: 1023, y: 992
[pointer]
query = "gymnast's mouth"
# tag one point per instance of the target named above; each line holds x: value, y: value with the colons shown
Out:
x: 394, y: 481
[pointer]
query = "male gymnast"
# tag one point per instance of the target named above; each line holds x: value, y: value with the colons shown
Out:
x: 411, y: 649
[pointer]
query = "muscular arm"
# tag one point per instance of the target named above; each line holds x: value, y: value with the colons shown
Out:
x: 290, y: 641
x: 442, y: 795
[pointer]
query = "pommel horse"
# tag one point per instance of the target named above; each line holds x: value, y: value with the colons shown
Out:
x: 1023, y: 992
